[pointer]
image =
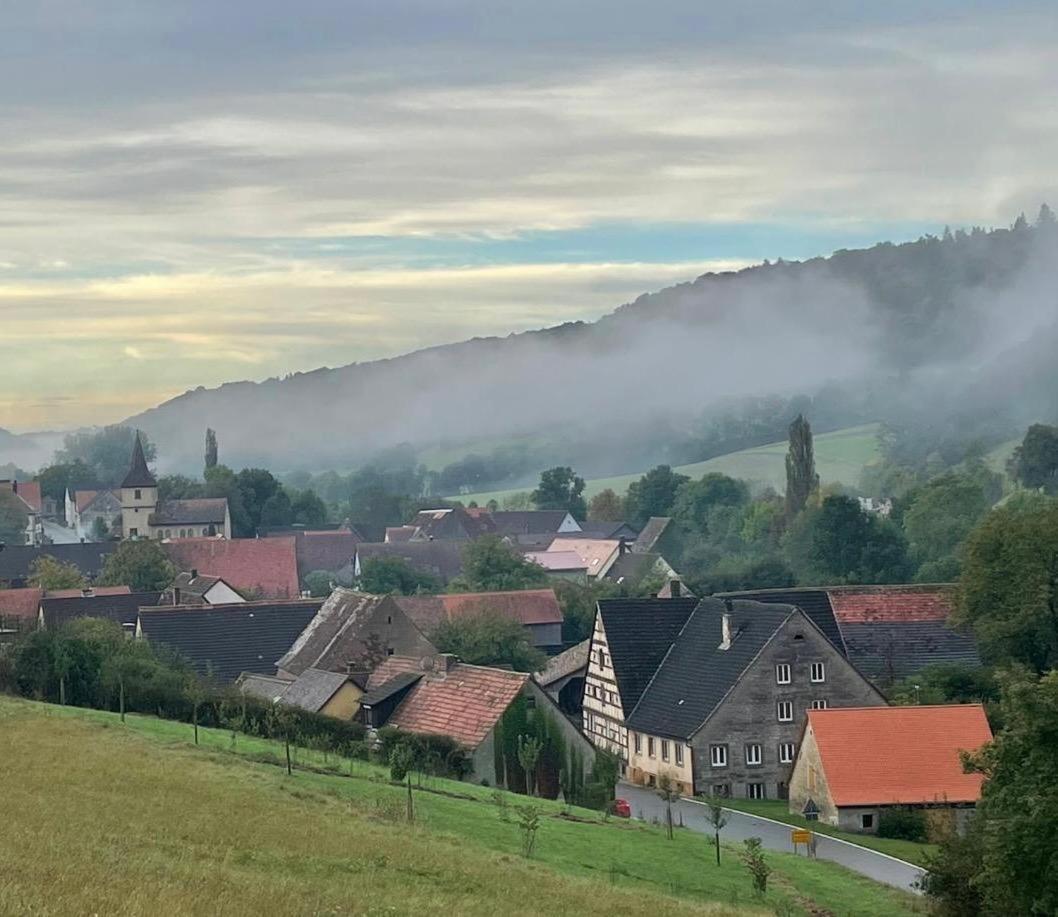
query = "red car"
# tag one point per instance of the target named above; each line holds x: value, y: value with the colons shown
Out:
x: 621, y: 808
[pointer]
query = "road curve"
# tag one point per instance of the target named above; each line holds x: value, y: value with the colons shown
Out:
x: 776, y: 836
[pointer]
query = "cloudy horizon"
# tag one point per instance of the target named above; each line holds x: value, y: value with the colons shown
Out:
x: 196, y: 195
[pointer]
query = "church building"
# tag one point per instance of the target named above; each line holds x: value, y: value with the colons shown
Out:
x: 142, y: 516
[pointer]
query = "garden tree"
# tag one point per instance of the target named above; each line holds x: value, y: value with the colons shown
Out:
x: 1008, y: 591
x: 606, y: 506
x: 941, y: 515
x: 13, y: 519
x: 257, y: 486
x: 489, y: 639
x: 105, y: 452
x: 56, y: 479
x: 654, y: 494
x: 1035, y: 462
x: 376, y: 501
x: 385, y: 575
x: 578, y: 602
x: 49, y: 574
x: 492, y: 565
x: 801, y: 478
x: 211, y: 448
x: 714, y: 812
x: 100, y: 529
x: 320, y: 583
x: 143, y: 566
x: 696, y: 501
x: 529, y: 748
x: 753, y: 857
x: 669, y: 791
x: 401, y: 761
x: 947, y: 683
x: 518, y: 501
x: 179, y: 487
x: 740, y: 572
x: 561, y: 488
x: 197, y: 694
x: 221, y: 481
x: 308, y: 509
x: 1009, y: 866
x: 838, y: 542
x: 277, y: 510
x: 763, y: 521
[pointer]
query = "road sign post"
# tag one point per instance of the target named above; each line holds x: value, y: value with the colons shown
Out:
x: 802, y: 836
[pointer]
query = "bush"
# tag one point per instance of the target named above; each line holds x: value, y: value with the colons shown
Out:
x: 439, y: 756
x: 903, y: 824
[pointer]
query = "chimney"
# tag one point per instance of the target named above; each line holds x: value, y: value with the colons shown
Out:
x: 674, y: 588
x: 622, y: 545
x: 440, y: 665
x: 725, y: 627
x: 176, y: 595
x: 87, y: 592
x: 194, y: 575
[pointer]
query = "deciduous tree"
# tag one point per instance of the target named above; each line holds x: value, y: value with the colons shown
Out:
x: 561, y: 488
x: 801, y: 478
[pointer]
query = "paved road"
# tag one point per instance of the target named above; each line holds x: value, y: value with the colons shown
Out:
x: 889, y: 870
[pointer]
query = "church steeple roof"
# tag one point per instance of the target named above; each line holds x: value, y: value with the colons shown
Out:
x: 139, y: 474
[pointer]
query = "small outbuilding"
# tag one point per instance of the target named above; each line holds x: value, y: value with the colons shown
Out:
x: 854, y: 763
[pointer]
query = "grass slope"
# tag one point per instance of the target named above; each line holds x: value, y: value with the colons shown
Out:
x: 104, y: 818
x: 840, y: 457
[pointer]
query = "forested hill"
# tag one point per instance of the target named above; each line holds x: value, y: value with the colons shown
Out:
x: 875, y: 334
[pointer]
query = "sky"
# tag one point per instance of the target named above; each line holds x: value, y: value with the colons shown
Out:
x: 203, y: 192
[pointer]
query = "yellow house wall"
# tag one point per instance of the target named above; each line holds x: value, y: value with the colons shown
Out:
x: 345, y: 704
x: 808, y: 781
x: 642, y: 765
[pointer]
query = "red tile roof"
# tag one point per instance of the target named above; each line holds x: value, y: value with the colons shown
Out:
x: 262, y: 567
x: 394, y: 665
x: 464, y: 703
x: 82, y: 498
x: 21, y: 603
x: 528, y: 606
x: 899, y: 755
x: 891, y: 604
x: 27, y: 491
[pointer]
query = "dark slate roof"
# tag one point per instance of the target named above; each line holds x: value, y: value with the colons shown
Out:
x: 139, y: 474
x: 629, y: 569
x: 815, y: 603
x: 229, y: 639
x: 696, y: 674
x: 195, y: 584
x: 596, y: 529
x: 313, y: 688
x: 449, y: 523
x: 639, y: 633
x: 266, y: 687
x: 16, y: 560
x: 120, y: 608
x: 388, y: 688
x: 205, y: 511
x: 651, y: 534
x: 528, y: 522
x: 443, y: 559
x: 893, y: 650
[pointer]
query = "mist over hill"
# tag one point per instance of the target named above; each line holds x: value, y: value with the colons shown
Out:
x: 952, y: 333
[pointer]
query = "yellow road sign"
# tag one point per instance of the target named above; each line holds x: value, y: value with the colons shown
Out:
x: 800, y: 836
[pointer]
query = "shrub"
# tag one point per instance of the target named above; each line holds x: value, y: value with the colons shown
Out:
x: 903, y: 824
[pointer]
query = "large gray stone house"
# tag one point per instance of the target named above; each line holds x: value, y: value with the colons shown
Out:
x: 722, y: 708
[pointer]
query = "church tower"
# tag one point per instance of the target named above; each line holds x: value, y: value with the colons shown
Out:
x: 139, y: 495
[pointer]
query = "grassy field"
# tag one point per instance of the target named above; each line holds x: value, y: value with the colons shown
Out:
x: 110, y: 819
x: 777, y: 810
x: 840, y: 457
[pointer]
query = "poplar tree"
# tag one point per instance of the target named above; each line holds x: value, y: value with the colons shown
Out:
x: 801, y: 478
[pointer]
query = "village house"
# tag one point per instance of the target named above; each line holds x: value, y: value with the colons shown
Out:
x: 561, y: 565
x: 597, y: 554
x: 256, y: 568
x: 715, y: 691
x: 537, y: 610
x: 93, y: 515
x: 564, y: 678
x: 854, y: 764
x: 887, y: 632
x: 16, y: 561
x: 143, y: 516
x: 320, y: 549
x: 112, y: 603
x: 353, y: 631
x: 334, y: 694
x: 29, y: 497
x: 223, y: 641
x: 439, y: 695
x: 194, y: 588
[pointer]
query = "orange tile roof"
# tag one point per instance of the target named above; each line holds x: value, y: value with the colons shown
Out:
x: 464, y: 703
x: 890, y: 604
x: 266, y: 567
x: 21, y: 603
x: 391, y: 667
x: 899, y: 755
x: 527, y: 606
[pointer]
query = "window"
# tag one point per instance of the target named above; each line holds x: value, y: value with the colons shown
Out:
x: 754, y: 790
x: 787, y: 750
x: 723, y: 790
x: 754, y: 755
x: 782, y: 790
x: 389, y: 650
x: 820, y: 704
x: 137, y: 496
x: 650, y: 746
x: 784, y: 709
x: 664, y: 749
x: 718, y: 755
x: 679, y: 754
x: 819, y: 673
x: 782, y: 674
x: 133, y: 532
x: 638, y: 739
x: 867, y: 821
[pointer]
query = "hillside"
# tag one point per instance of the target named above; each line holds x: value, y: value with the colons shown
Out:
x: 925, y: 332
x: 216, y: 830
x: 840, y: 458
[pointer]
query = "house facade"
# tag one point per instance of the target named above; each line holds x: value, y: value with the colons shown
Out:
x: 90, y: 512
